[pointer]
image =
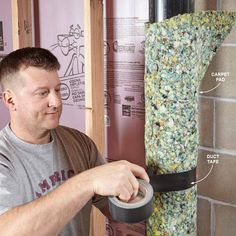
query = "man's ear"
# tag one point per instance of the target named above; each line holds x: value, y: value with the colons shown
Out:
x: 8, y: 98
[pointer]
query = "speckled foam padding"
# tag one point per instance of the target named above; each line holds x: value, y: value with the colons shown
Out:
x: 177, y: 53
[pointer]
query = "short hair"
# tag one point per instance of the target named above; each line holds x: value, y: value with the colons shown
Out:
x: 25, y: 57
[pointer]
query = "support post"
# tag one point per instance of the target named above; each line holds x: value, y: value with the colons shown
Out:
x: 94, y: 89
x: 21, y: 23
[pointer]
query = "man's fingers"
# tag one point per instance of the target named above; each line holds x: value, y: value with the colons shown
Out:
x: 123, y: 184
x: 135, y: 185
x: 134, y: 171
x: 138, y: 171
x: 125, y: 195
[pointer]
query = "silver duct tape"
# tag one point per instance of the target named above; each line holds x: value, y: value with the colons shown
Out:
x: 138, y: 209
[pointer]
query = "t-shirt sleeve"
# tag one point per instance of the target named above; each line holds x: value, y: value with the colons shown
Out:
x: 9, y: 187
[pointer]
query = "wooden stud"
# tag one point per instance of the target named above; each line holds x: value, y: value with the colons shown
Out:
x: 94, y: 89
x: 25, y: 23
x: 21, y: 23
x: 15, y: 28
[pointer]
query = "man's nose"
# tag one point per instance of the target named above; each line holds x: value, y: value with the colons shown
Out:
x: 54, y: 99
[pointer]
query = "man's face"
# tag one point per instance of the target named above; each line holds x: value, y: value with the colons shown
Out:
x: 38, y: 103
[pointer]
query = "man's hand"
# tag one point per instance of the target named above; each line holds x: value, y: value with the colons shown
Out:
x: 117, y: 179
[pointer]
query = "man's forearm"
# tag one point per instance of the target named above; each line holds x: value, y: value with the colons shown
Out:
x: 48, y: 214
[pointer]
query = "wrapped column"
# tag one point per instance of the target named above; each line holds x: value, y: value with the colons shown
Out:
x: 177, y: 53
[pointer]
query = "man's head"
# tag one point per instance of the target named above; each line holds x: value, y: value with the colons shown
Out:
x: 23, y: 58
x: 31, y: 91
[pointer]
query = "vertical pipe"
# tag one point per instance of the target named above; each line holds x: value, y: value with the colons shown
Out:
x: 36, y: 23
x: 164, y: 9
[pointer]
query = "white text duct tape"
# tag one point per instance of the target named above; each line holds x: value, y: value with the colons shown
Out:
x: 138, y: 209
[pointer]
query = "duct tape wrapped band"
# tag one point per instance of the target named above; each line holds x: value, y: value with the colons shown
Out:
x: 173, y: 181
x: 136, y: 210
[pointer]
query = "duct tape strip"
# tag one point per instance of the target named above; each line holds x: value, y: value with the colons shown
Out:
x: 172, y: 182
x: 136, y: 210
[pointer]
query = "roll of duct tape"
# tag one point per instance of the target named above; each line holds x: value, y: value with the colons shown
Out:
x: 137, y: 209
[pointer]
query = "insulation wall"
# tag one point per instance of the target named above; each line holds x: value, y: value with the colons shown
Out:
x: 63, y: 34
x: 6, y: 45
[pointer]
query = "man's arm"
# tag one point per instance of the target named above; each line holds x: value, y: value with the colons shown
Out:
x: 50, y: 213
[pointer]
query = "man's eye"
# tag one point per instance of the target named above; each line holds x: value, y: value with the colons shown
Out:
x: 43, y: 93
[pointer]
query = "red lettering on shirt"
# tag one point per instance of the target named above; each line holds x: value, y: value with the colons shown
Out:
x: 63, y: 175
x: 55, y: 178
x: 44, y: 185
x: 38, y: 195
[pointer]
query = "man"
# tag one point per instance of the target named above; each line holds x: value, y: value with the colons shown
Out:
x: 50, y: 175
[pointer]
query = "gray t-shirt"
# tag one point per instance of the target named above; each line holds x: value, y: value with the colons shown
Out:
x: 28, y: 171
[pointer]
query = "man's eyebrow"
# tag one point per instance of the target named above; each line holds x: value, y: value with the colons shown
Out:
x: 45, y: 87
x: 40, y: 88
